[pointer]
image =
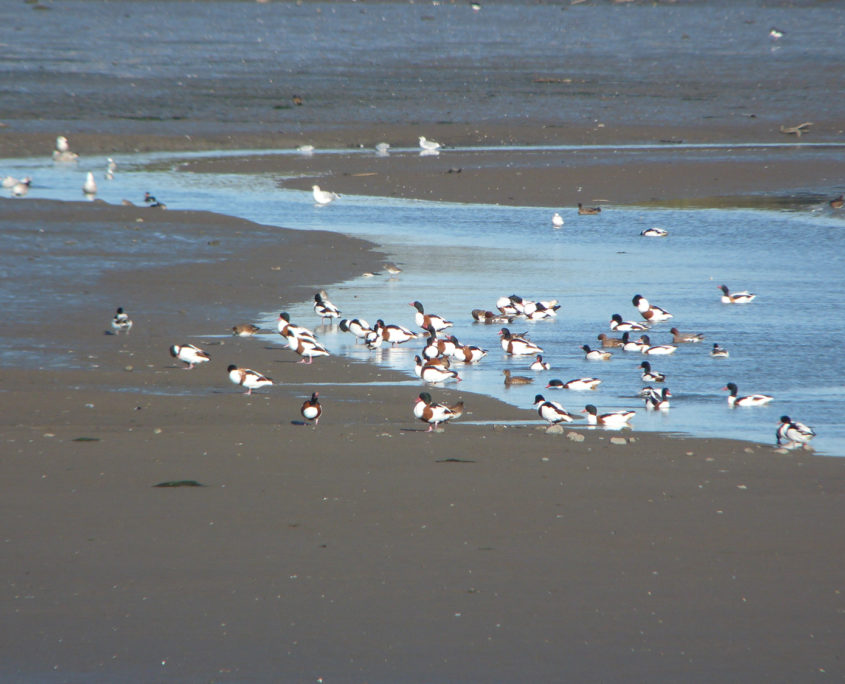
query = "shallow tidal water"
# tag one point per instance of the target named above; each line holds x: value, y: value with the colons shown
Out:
x: 459, y: 257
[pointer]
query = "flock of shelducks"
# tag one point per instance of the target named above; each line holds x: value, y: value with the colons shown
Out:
x: 432, y: 364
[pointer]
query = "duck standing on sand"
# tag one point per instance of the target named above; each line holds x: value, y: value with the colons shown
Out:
x: 552, y: 411
x: 121, y: 322
x: 245, y: 330
x: 306, y: 347
x: 311, y: 409
x: 248, y: 378
x: 791, y: 433
x: 433, y: 413
x: 189, y: 354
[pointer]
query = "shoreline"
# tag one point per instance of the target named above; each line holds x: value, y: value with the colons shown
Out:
x: 508, y: 550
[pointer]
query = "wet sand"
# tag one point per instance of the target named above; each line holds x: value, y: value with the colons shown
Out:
x: 367, y: 549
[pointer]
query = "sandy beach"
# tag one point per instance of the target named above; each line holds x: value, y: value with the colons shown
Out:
x: 367, y: 549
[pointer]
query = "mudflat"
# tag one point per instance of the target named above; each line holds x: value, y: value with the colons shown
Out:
x: 366, y: 548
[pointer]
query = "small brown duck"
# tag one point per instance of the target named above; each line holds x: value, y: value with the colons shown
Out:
x: 837, y: 202
x: 685, y: 338
x: 245, y: 329
x: 588, y: 210
x: 608, y: 342
x: 515, y: 379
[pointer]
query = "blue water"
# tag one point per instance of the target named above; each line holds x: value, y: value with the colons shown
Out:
x: 459, y: 257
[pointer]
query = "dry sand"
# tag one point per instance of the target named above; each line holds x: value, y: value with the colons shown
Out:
x: 367, y: 549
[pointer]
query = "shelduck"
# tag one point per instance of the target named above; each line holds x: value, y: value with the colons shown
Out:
x: 552, y: 411
x: 617, y: 324
x: 121, y: 322
x: 324, y: 308
x: 614, y: 419
x: 649, y: 312
x: 517, y: 345
x: 729, y: 297
x: 311, y: 409
x: 189, y: 354
x: 248, y: 378
x: 578, y: 384
x: 539, y: 365
x: 433, y: 413
x: 429, y: 321
x: 719, y: 352
x: 656, y: 349
x: 791, y: 433
x: 649, y: 375
x: 750, y: 400
x: 595, y: 354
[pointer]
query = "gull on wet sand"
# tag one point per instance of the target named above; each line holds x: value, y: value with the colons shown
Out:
x: 428, y: 145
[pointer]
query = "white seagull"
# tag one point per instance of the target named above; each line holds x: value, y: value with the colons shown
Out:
x: 323, y: 197
x: 429, y: 145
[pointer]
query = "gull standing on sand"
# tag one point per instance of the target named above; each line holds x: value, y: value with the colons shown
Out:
x: 323, y: 197
x: 429, y: 146
x: 89, y: 187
